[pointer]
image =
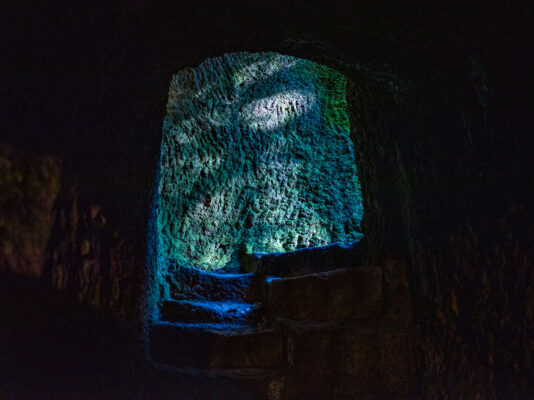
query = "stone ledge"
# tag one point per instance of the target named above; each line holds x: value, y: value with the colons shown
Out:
x: 195, y: 346
x: 309, y: 260
x: 335, y: 295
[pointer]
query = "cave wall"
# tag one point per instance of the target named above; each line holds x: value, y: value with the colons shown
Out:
x: 87, y: 259
x: 255, y: 157
x: 29, y: 185
x: 439, y: 99
x: 439, y: 195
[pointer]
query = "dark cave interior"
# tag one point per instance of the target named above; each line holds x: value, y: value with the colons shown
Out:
x: 437, y: 300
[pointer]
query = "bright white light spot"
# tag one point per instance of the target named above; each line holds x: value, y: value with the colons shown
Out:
x: 274, y: 111
x: 263, y: 69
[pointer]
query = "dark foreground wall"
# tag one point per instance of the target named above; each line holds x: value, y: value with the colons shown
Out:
x: 439, y: 101
x: 29, y: 185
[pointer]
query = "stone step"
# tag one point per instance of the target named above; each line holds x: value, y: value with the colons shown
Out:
x: 210, y: 311
x: 334, y: 295
x: 364, y: 357
x: 212, y: 384
x: 195, y: 284
x: 216, y: 346
x: 310, y: 260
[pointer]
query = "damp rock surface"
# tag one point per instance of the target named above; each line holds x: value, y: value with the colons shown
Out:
x: 256, y: 157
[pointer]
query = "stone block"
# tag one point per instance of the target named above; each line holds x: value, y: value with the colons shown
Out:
x: 305, y: 261
x: 371, y: 360
x: 216, y: 346
x: 195, y: 284
x: 340, y: 294
x: 209, y: 311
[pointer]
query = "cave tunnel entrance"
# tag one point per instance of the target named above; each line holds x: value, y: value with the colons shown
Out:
x: 256, y: 157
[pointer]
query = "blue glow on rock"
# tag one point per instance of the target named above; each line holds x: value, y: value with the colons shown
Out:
x: 275, y: 111
x: 256, y: 157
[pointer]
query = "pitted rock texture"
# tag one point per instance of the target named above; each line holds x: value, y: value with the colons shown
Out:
x: 29, y: 185
x: 256, y: 156
x: 89, y: 258
x: 311, y: 260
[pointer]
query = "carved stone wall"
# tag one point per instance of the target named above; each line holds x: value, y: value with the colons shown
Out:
x: 29, y: 185
x: 446, y: 173
x: 256, y: 156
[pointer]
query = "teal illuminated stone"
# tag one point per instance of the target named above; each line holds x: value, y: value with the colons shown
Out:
x: 256, y: 156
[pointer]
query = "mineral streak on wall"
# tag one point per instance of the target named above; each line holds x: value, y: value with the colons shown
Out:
x: 256, y: 156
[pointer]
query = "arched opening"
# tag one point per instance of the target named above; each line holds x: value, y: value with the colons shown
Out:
x: 257, y: 183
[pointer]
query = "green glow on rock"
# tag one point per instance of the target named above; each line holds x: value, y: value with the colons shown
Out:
x: 256, y: 156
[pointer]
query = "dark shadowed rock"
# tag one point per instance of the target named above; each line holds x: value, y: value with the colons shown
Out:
x: 29, y: 185
x: 345, y: 293
x: 216, y: 346
x: 255, y: 154
x: 210, y: 311
x: 372, y: 360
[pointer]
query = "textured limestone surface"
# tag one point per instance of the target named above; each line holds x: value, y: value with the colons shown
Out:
x: 29, y: 185
x: 306, y: 261
x: 256, y: 156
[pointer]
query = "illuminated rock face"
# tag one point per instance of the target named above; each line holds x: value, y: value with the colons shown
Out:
x: 256, y: 156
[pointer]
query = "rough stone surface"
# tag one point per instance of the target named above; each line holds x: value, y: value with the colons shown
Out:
x: 87, y: 258
x: 210, y: 311
x: 196, y: 346
x: 305, y: 261
x: 332, y: 334
x: 339, y: 294
x: 256, y: 156
x: 470, y: 261
x: 364, y: 361
x: 446, y: 172
x: 369, y: 358
x: 193, y: 283
x: 29, y: 185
